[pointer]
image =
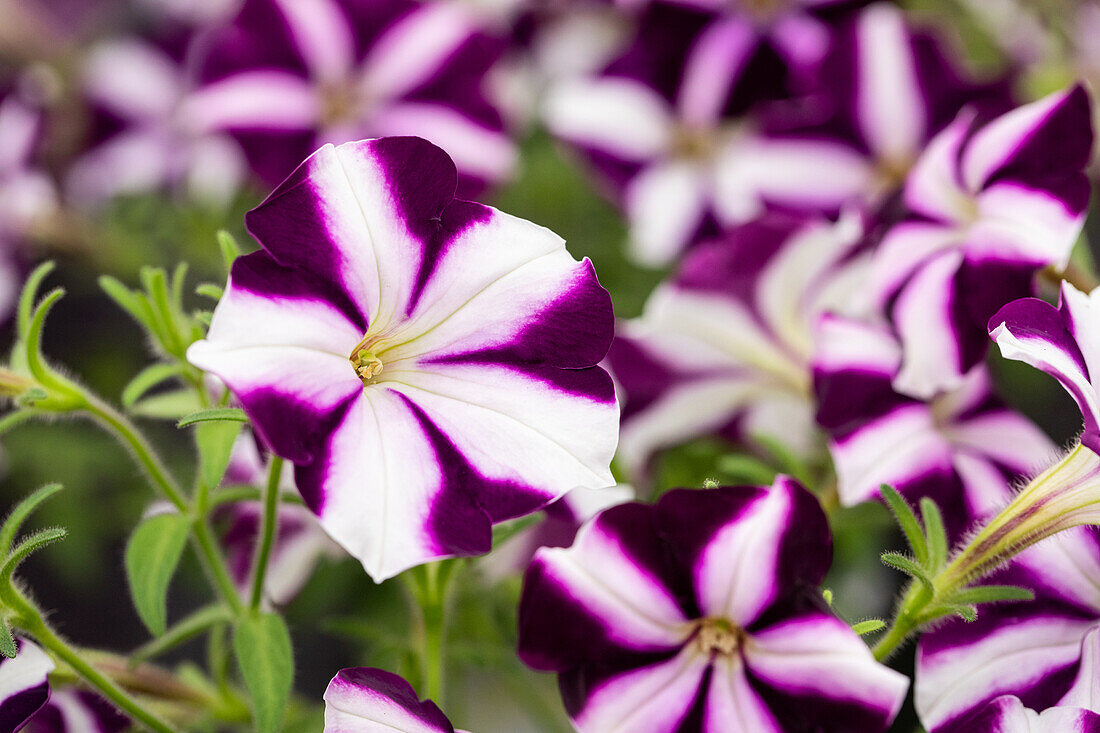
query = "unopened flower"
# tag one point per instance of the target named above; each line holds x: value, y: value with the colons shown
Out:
x: 963, y: 448
x: 992, y: 202
x: 699, y: 613
x: 363, y: 699
x: 286, y: 76
x: 658, y: 123
x: 724, y: 346
x: 428, y: 364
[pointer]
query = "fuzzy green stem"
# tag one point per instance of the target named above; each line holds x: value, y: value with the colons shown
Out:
x: 430, y: 585
x: 30, y: 620
x: 267, y: 534
x: 133, y: 439
x: 215, y: 565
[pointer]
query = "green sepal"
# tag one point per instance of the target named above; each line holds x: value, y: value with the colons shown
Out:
x: 19, y: 514
x: 31, y: 544
x: 36, y: 363
x: 907, y: 566
x: 214, y: 441
x: 146, y: 379
x: 991, y: 594
x: 261, y: 643
x: 128, y: 300
x: 869, y: 626
x: 738, y: 468
x: 908, y: 522
x: 152, y: 554
x: 964, y: 611
x: 210, y: 290
x: 214, y: 414
x: 28, y: 295
x: 230, y: 250
x: 7, y: 642
x: 935, y: 533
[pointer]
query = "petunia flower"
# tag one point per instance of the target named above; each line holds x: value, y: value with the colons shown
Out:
x: 1008, y: 714
x: 992, y: 202
x: 366, y: 700
x: 24, y: 685
x: 885, y: 89
x: 724, y: 346
x: 77, y: 711
x: 659, y: 125
x: 286, y: 76
x: 1045, y: 652
x: 147, y: 132
x: 1033, y: 650
x: 428, y: 364
x: 963, y: 448
x: 701, y: 613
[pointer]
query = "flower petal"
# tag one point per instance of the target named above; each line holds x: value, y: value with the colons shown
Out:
x: 368, y: 700
x: 23, y: 685
x: 746, y: 546
x: 816, y: 668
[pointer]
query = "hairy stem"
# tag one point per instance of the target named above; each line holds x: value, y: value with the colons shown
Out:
x: 268, y: 531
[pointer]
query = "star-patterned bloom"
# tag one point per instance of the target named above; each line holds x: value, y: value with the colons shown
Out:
x: 992, y: 202
x: 286, y: 76
x: 702, y: 613
x: 428, y: 364
x: 662, y: 124
x: 964, y: 448
x: 724, y: 346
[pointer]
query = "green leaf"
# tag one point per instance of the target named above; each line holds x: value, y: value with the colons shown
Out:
x: 24, y: 549
x: 210, y: 290
x: 908, y: 522
x: 935, y: 532
x: 262, y: 645
x: 215, y: 442
x: 152, y: 555
x: 126, y: 299
x: 167, y: 405
x: 907, y: 566
x: 20, y: 513
x: 146, y: 379
x: 869, y: 626
x: 739, y: 468
x: 991, y: 593
x: 214, y: 414
x: 7, y: 642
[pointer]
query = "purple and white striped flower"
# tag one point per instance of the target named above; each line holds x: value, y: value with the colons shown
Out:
x: 1007, y: 714
x: 964, y: 448
x: 1046, y: 652
x: 369, y: 700
x: 702, y: 613
x: 724, y: 346
x: 148, y: 132
x: 992, y: 202
x: 289, y: 75
x: 658, y: 124
x: 428, y: 364
x: 77, y: 711
x: 24, y: 688
x: 884, y: 91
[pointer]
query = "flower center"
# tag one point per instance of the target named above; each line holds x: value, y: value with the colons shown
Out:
x: 761, y: 9
x: 340, y: 102
x: 366, y: 363
x: 692, y: 142
x: 718, y: 636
